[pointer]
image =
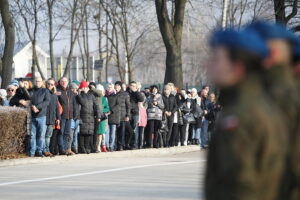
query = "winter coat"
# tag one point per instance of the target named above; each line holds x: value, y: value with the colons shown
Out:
x: 204, y: 105
x: 105, y: 109
x: 52, y: 110
x: 76, y: 108
x: 170, y: 103
x: 135, y: 98
x: 41, y: 99
x: 21, y: 93
x: 114, y: 117
x: 66, y: 98
x: 155, y: 112
x: 124, y: 103
x: 182, y: 110
x: 89, y: 110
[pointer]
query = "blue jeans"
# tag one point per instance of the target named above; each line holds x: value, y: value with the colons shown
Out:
x: 111, y: 136
x: 75, y: 127
x: 37, y: 137
x: 203, y: 134
x: 49, y: 131
x: 64, y: 135
x: 196, y: 132
x: 134, y: 124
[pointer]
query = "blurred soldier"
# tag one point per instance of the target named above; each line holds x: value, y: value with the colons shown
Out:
x: 280, y: 85
x: 246, y: 155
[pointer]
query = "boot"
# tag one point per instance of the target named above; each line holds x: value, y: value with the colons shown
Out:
x: 103, y: 148
x: 70, y: 152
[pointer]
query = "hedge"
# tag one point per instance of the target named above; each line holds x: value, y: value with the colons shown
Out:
x: 12, y: 131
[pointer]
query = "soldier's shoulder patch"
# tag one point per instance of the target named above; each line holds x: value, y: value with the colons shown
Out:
x: 229, y: 123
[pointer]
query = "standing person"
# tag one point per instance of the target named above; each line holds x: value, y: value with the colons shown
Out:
x: 11, y: 91
x: 89, y: 113
x: 280, y: 85
x: 213, y: 109
x: 52, y: 115
x: 142, y: 123
x: 169, y: 111
x: 39, y: 102
x: 205, y: 122
x: 198, y: 114
x: 100, y: 145
x: 65, y: 98
x: 113, y: 117
x: 135, y: 98
x: 75, y: 127
x: 251, y: 136
x: 183, y: 109
x: 125, y: 110
x: 154, y: 115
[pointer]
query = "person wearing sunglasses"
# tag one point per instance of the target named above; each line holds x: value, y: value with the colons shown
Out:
x: 52, y: 115
x: 11, y: 91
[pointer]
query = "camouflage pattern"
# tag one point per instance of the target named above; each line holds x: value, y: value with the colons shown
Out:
x: 281, y: 88
x: 247, y: 151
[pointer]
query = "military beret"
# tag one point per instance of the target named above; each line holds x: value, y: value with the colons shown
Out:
x: 248, y: 41
x: 271, y: 31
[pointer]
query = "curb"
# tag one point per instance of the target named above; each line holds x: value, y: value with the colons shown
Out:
x: 116, y: 154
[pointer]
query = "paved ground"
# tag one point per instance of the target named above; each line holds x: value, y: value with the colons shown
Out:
x: 161, y: 177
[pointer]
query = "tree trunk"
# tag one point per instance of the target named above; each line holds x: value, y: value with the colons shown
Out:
x: 279, y: 9
x: 7, y: 59
x: 52, y: 62
x: 172, y: 36
x: 87, y: 50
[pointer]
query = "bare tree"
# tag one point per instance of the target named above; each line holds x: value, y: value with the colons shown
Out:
x: 76, y: 23
x: 172, y: 36
x: 29, y: 11
x: 7, y: 59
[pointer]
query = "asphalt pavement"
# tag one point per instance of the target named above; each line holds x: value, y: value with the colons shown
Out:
x: 175, y: 176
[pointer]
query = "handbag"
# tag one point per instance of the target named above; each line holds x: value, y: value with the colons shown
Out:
x: 189, y: 118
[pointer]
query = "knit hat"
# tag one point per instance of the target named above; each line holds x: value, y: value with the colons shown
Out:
x: 83, y: 84
x: 76, y: 82
x: 14, y: 83
x: 93, y: 84
x: 74, y: 86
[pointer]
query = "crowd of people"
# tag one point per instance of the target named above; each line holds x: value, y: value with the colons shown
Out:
x: 66, y: 118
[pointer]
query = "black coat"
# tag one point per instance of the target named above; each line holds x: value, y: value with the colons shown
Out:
x: 124, y: 103
x: 21, y: 93
x: 66, y: 98
x: 170, y: 103
x: 135, y: 98
x: 89, y: 110
x: 41, y: 99
x: 76, y: 109
x: 114, y: 117
x: 52, y: 110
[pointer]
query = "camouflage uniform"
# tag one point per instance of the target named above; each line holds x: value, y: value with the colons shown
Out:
x: 281, y: 88
x: 247, y: 151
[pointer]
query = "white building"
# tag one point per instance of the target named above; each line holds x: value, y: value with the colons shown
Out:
x: 23, y: 60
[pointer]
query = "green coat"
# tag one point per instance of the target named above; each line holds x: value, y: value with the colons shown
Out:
x: 105, y: 109
x: 247, y: 150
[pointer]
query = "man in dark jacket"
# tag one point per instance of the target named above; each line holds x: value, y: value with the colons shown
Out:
x: 135, y: 98
x: 113, y: 117
x: 40, y: 100
x: 65, y: 98
x: 52, y: 115
x: 76, y: 119
x: 125, y: 108
x: 170, y: 109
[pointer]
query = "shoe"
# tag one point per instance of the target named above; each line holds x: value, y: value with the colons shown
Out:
x: 48, y: 154
x: 103, y: 148
x: 75, y: 150
x: 97, y: 151
x: 62, y: 153
x: 39, y: 155
x: 70, y: 153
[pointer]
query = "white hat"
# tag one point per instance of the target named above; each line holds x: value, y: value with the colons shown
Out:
x: 100, y: 87
x: 3, y: 93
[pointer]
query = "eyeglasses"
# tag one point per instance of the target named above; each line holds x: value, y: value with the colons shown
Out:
x: 50, y: 84
x: 10, y: 90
